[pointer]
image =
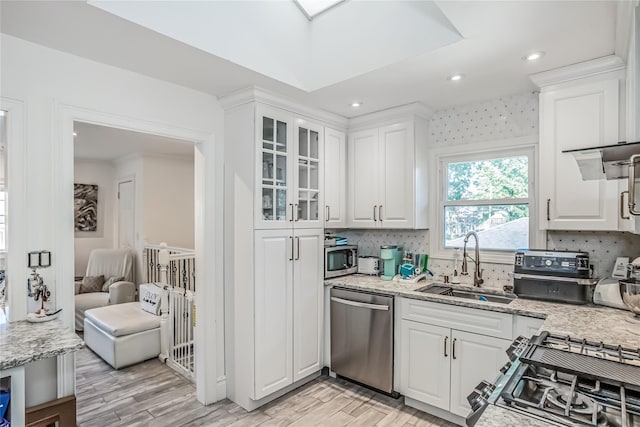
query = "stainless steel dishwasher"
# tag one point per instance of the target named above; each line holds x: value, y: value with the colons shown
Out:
x: 362, y: 338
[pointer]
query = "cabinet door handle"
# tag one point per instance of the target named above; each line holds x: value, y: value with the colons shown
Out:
x: 445, y: 346
x: 328, y: 212
x: 622, y: 215
x: 291, y: 239
x: 380, y: 212
x: 548, y: 209
x: 453, y: 348
x: 298, y: 246
x: 296, y: 211
x: 375, y: 218
x: 291, y: 206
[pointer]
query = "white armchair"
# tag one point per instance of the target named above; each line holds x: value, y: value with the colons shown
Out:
x: 110, y: 263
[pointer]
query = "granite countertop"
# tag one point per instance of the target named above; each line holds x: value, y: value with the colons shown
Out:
x: 592, y: 322
x: 23, y: 342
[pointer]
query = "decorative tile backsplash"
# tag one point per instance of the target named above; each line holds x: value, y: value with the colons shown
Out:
x: 603, y: 247
x: 369, y: 241
x: 502, y: 118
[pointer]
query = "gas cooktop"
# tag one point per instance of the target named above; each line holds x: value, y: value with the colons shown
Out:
x: 566, y: 381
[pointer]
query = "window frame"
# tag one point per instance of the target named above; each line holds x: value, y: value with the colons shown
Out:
x: 526, y: 146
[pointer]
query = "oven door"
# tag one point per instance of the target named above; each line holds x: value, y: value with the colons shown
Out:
x: 340, y: 261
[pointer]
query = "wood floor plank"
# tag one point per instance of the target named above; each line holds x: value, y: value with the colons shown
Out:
x: 368, y: 418
x: 151, y: 394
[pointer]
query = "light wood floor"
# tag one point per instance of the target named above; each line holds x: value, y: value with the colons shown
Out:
x: 150, y: 394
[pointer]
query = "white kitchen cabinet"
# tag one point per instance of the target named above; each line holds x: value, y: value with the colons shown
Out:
x: 273, y: 238
x: 576, y: 115
x: 335, y: 178
x: 473, y: 358
x: 273, y: 311
x: 288, y: 307
x: 440, y: 364
x: 387, y: 176
x: 308, y: 304
x: 289, y: 171
x: 425, y: 363
x: 526, y: 326
x: 364, y: 178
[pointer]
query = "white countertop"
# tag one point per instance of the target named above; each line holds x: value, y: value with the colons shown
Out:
x: 592, y: 322
x: 23, y: 342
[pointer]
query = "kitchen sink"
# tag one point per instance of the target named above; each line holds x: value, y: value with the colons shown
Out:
x: 469, y: 294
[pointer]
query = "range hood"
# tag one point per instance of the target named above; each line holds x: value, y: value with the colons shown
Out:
x: 607, y: 161
x: 617, y: 161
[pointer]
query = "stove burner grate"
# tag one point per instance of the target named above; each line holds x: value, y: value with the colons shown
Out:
x: 586, y: 366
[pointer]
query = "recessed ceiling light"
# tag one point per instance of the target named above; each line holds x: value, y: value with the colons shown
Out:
x: 75, y: 134
x: 456, y: 77
x: 2, y: 113
x: 356, y: 104
x: 533, y: 56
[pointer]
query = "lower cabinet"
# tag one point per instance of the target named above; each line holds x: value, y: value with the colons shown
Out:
x: 288, y: 307
x: 445, y: 351
x: 425, y: 363
x: 473, y: 358
x: 441, y: 366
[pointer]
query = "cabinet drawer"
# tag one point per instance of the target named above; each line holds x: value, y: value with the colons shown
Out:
x: 483, y: 322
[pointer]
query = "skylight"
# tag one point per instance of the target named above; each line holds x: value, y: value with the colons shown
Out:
x: 312, y: 8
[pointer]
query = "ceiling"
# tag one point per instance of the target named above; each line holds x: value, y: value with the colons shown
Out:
x: 484, y: 40
x: 102, y: 143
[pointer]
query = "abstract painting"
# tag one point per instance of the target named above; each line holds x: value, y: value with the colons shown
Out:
x: 85, y: 207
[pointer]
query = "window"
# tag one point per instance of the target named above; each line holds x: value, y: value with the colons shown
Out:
x: 489, y: 193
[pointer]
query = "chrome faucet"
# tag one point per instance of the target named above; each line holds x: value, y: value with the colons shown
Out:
x: 477, y: 275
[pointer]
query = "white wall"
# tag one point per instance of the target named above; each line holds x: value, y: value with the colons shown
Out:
x: 51, y: 84
x: 168, y: 201
x: 102, y: 174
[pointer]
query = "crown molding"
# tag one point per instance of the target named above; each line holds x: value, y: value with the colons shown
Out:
x: 624, y: 27
x: 257, y: 94
x: 415, y: 109
x: 592, y: 68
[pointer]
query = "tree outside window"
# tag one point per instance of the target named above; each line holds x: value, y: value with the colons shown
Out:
x: 490, y: 197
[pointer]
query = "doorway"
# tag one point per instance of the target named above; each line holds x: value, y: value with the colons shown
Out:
x: 208, y: 189
x: 126, y: 214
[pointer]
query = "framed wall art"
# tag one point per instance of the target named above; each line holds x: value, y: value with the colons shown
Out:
x: 85, y: 207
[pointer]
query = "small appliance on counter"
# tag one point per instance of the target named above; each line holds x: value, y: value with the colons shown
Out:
x: 369, y: 265
x: 609, y: 293
x: 390, y: 257
x: 560, y: 276
x: 609, y: 290
x: 340, y: 260
x: 631, y: 294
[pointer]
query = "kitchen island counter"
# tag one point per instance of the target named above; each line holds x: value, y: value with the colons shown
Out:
x: 596, y: 323
x: 23, y: 342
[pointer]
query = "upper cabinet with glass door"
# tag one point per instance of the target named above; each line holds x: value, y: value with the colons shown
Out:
x: 274, y: 192
x: 308, y: 203
x: 288, y: 192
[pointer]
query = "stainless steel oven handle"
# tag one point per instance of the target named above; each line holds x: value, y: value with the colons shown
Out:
x: 360, y: 304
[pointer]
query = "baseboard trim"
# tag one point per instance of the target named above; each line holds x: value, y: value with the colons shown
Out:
x: 438, y: 412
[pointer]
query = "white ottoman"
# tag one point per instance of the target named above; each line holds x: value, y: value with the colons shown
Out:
x: 122, y: 334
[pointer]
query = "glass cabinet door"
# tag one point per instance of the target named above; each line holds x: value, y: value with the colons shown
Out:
x: 308, y: 174
x: 275, y: 182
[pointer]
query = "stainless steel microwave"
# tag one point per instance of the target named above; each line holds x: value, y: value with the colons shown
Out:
x: 340, y: 260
